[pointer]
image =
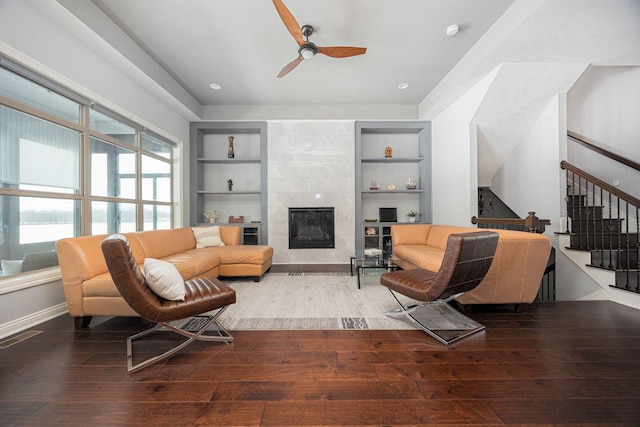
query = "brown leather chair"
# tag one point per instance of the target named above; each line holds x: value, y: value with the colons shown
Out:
x: 203, y: 295
x: 467, y: 259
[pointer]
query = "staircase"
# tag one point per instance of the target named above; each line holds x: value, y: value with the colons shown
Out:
x: 603, y: 221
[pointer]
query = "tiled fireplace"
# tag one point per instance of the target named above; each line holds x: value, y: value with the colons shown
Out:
x: 311, y: 228
x: 311, y: 164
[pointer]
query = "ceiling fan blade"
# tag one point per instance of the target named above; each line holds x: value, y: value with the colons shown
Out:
x: 342, y: 51
x: 289, y: 21
x: 290, y: 66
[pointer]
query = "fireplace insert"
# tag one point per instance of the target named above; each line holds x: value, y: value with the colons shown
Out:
x: 311, y: 228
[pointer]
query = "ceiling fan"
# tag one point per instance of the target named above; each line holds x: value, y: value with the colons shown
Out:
x: 306, y: 48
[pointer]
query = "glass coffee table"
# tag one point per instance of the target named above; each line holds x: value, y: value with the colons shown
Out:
x: 361, y: 260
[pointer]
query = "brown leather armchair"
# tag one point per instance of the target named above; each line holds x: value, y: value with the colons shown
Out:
x: 203, y: 295
x: 467, y: 259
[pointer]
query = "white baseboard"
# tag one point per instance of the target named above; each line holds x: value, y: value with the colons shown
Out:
x: 33, y: 319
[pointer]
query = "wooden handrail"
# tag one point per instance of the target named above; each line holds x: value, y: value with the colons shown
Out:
x: 600, y: 183
x: 579, y: 139
x: 532, y: 222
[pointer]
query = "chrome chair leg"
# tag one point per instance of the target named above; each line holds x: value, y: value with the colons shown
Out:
x: 211, y: 320
x: 438, y: 319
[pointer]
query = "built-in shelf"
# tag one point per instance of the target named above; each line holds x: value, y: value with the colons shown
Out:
x: 227, y: 193
x: 251, y: 232
x: 212, y: 169
x: 410, y: 143
x: 391, y: 160
x: 393, y: 191
x: 229, y: 161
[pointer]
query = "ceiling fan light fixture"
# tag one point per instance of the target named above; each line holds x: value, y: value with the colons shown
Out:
x: 307, y: 51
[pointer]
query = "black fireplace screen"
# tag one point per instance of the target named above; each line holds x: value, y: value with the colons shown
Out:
x: 311, y: 228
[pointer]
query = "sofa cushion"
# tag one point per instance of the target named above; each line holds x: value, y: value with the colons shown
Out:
x: 162, y: 243
x: 194, y: 262
x: 207, y: 237
x: 420, y: 256
x: 439, y: 235
x: 242, y: 254
x: 164, y: 279
x: 100, y: 285
x: 411, y: 234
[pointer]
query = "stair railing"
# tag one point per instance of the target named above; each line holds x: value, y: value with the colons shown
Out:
x: 605, y: 221
x: 531, y: 223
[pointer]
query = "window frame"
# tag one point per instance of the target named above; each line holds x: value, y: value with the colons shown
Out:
x: 84, y: 198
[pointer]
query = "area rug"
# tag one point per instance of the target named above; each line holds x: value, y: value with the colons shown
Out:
x: 312, y: 301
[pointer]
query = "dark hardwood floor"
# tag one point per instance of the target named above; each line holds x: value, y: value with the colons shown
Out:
x: 560, y: 363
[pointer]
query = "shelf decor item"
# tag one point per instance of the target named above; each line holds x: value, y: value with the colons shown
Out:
x: 388, y: 214
x: 236, y: 219
x: 231, y: 154
x: 388, y: 152
x: 412, y: 215
x: 211, y: 215
x: 374, y: 185
x: 230, y: 185
x: 411, y: 183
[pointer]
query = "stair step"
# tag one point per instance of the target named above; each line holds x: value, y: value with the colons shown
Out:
x: 595, y: 241
x: 585, y: 212
x: 592, y: 225
x: 626, y: 281
x: 617, y: 260
x: 576, y: 200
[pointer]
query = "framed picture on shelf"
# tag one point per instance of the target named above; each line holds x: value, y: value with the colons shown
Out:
x: 388, y: 214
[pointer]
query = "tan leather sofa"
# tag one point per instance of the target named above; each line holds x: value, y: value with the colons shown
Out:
x: 515, y: 274
x: 90, y: 291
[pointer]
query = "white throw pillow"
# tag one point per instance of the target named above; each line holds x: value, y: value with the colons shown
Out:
x: 10, y: 266
x: 207, y: 237
x: 164, y: 279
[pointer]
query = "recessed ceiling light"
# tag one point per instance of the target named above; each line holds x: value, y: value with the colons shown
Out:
x: 403, y: 85
x: 215, y: 86
x: 452, y: 30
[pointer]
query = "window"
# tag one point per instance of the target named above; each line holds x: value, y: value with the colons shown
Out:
x: 48, y: 140
x: 113, y: 170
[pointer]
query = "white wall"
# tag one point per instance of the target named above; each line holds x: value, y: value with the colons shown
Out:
x: 37, y: 42
x: 529, y: 179
x: 604, y: 105
x: 455, y: 178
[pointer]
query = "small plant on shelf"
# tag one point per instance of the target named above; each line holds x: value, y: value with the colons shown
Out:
x: 412, y: 215
x: 211, y: 215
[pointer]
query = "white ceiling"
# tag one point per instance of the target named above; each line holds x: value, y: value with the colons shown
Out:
x: 534, y: 49
x: 243, y: 44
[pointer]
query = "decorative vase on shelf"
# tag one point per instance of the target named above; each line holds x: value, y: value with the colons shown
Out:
x: 412, y: 219
x: 231, y: 153
x: 388, y: 152
x: 212, y: 220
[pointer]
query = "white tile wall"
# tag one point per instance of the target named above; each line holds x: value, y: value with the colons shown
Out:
x: 311, y: 164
